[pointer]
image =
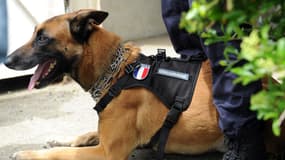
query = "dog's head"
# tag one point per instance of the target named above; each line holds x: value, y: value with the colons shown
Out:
x: 56, y: 46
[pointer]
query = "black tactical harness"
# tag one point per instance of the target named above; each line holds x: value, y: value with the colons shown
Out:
x: 172, y: 80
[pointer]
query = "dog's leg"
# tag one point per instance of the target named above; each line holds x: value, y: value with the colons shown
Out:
x: 88, y: 139
x: 99, y: 152
x: 63, y: 153
x: 115, y: 144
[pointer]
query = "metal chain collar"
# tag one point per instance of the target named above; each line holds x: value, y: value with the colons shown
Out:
x: 104, y: 82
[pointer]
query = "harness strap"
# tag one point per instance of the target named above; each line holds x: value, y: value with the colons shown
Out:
x: 171, y: 119
x: 115, y: 90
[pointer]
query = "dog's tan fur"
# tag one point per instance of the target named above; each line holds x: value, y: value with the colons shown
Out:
x: 133, y: 117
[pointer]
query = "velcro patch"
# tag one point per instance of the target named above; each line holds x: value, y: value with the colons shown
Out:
x: 173, y: 74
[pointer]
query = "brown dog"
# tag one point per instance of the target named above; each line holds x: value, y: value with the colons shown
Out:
x: 74, y: 44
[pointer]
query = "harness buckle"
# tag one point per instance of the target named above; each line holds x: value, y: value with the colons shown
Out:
x: 179, y: 104
x: 174, y: 113
x: 130, y: 67
x: 172, y: 117
x: 199, y: 57
x: 161, y: 54
x: 114, y: 91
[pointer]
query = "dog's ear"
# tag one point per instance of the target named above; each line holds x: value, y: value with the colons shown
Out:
x: 82, y: 25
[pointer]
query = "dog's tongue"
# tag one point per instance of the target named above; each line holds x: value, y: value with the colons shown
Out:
x: 41, y: 70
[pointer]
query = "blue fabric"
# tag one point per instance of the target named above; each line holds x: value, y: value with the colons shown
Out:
x: 232, y: 101
x: 3, y: 30
x: 182, y: 42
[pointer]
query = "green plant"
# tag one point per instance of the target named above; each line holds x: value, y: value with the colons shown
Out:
x: 260, y: 25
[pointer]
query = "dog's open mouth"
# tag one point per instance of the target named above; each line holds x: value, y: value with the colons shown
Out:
x: 44, y: 73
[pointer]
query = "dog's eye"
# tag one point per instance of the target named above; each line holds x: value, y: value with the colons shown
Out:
x: 42, y: 40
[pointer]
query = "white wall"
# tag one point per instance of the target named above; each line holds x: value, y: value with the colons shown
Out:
x: 131, y: 19
x: 21, y: 25
x: 134, y: 19
x: 80, y: 4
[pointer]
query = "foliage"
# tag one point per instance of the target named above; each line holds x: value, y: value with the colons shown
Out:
x: 260, y: 25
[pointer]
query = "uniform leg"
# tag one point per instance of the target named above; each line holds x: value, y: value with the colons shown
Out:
x: 238, y: 123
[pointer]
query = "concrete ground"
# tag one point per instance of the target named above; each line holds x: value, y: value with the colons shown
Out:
x: 28, y: 119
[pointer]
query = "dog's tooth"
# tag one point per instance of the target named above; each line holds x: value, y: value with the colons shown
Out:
x: 37, y: 83
x: 52, y: 65
x: 48, y: 71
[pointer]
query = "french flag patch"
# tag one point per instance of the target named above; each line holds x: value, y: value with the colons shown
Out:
x: 141, y: 72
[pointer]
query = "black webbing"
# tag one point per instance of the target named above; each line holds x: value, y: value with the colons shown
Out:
x: 115, y: 90
x: 170, y: 120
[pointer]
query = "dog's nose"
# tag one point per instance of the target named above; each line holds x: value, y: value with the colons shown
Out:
x: 9, y: 61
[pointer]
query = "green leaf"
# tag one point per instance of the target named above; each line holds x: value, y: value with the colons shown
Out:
x: 281, y: 47
x: 191, y: 14
x: 264, y: 31
x: 275, y: 128
x: 223, y: 63
x: 250, y: 45
x: 270, y: 115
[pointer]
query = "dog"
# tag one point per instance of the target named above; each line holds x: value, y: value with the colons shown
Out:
x: 75, y: 44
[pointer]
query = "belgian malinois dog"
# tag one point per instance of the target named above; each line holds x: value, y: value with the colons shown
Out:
x: 75, y: 44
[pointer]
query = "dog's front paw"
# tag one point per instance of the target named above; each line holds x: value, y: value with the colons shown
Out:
x: 21, y: 155
x: 88, y: 139
x: 54, y: 143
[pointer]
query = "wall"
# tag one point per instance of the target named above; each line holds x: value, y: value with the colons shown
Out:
x: 131, y: 19
x: 134, y: 19
x: 23, y: 16
x: 80, y: 4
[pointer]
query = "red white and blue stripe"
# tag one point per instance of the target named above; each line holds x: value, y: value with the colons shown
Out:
x: 141, y: 72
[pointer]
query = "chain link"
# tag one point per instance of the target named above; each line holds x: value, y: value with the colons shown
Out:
x: 104, y: 81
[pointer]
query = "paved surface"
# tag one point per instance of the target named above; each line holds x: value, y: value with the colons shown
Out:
x: 28, y: 119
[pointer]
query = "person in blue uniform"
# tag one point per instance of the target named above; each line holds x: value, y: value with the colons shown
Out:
x: 240, y: 126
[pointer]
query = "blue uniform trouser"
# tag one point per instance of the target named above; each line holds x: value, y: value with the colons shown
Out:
x: 3, y: 30
x: 232, y: 100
